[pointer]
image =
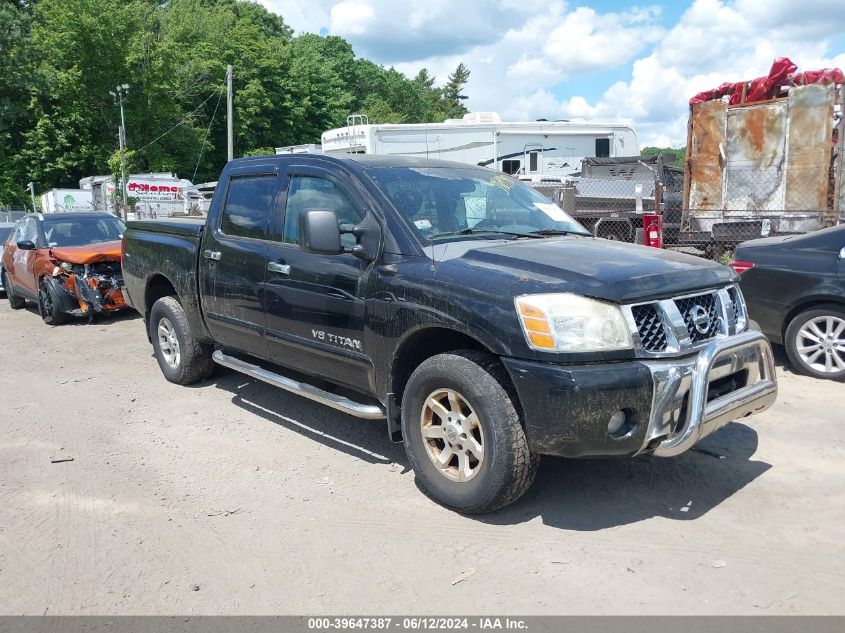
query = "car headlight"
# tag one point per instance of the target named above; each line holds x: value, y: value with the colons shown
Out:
x: 566, y: 322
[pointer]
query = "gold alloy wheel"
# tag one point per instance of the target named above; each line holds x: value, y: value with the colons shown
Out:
x: 451, y: 430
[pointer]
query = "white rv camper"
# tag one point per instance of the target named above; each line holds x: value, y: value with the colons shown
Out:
x: 529, y: 149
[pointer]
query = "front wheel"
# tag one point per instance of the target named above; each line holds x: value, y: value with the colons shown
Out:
x: 182, y: 358
x: 815, y: 342
x: 463, y: 434
x: 48, y: 303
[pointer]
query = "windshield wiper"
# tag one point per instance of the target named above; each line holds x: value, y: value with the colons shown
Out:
x: 471, y: 231
x: 552, y: 232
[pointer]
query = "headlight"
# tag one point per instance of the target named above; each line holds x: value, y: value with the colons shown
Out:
x: 570, y: 323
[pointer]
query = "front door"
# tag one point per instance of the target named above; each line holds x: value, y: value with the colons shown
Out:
x: 233, y: 259
x: 22, y: 270
x: 315, y: 303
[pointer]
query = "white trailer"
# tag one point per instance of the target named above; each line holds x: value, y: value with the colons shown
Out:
x: 528, y: 149
x: 154, y: 194
x: 305, y: 148
x: 61, y: 200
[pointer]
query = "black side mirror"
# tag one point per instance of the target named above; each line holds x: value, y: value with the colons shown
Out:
x: 26, y: 245
x: 319, y: 232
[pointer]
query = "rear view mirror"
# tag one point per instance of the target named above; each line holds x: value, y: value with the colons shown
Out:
x: 26, y: 245
x: 319, y: 232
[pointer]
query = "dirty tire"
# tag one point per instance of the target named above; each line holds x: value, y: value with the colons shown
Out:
x: 48, y: 304
x: 508, y: 467
x: 194, y: 358
x: 15, y: 302
x: 792, y: 338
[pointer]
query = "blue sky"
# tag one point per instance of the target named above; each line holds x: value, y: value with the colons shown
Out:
x: 611, y: 60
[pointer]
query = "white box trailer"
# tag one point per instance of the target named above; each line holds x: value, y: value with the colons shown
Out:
x: 61, y: 200
x: 154, y: 194
x: 527, y: 149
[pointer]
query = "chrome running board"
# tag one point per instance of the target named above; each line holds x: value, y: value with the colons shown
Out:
x: 340, y: 403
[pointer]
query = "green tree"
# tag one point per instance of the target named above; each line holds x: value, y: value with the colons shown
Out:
x: 671, y: 156
x: 59, y: 59
x: 453, y: 97
x: 17, y: 82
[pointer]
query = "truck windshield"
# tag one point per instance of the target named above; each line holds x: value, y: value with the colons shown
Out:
x: 65, y: 231
x: 445, y: 203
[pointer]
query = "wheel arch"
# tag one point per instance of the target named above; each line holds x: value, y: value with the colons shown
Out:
x: 809, y: 303
x: 425, y: 342
x: 158, y: 286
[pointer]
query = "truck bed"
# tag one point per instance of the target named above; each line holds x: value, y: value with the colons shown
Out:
x: 188, y: 227
x: 168, y: 256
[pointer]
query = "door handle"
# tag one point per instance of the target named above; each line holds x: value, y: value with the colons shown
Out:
x: 276, y: 267
x: 212, y: 255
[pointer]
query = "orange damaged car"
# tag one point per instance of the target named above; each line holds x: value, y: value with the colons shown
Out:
x: 69, y: 263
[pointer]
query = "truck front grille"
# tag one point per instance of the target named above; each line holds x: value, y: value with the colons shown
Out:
x: 650, y: 327
x: 680, y: 324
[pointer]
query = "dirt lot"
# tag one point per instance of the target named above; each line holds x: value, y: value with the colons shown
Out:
x: 233, y: 497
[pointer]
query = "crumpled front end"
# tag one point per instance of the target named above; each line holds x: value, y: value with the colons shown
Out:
x: 89, y: 289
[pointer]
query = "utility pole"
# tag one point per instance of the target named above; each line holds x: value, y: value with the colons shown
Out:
x: 31, y: 187
x: 230, y: 129
x: 121, y: 138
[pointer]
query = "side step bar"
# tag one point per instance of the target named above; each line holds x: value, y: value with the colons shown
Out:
x: 359, y: 410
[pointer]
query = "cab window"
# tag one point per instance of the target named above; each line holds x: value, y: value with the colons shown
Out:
x: 307, y: 193
x: 248, y: 206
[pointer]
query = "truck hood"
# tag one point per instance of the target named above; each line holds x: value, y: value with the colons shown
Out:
x: 89, y: 254
x: 614, y: 271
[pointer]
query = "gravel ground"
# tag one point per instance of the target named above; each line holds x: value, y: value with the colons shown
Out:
x: 232, y: 497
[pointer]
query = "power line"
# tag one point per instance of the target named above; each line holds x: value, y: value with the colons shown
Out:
x: 205, y: 138
x: 185, y: 118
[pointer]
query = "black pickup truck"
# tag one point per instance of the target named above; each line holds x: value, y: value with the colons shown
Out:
x: 484, y: 324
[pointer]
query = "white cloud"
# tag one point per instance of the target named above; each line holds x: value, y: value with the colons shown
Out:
x: 590, y: 41
x: 352, y: 18
x: 523, y: 52
x: 713, y: 42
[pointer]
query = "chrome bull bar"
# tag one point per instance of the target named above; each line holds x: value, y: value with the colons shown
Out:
x: 681, y: 413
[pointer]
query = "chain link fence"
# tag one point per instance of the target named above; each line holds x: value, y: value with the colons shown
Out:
x: 12, y: 214
x: 641, y: 200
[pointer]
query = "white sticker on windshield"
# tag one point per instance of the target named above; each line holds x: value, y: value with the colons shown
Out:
x: 423, y: 225
x: 553, y: 211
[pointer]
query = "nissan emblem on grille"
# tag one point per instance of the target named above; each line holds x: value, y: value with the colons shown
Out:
x: 700, y: 319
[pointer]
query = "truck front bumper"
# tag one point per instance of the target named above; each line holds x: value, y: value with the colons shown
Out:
x: 669, y: 404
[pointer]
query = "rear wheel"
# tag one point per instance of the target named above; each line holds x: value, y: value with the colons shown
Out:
x: 463, y: 434
x: 15, y: 302
x: 48, y: 303
x: 182, y: 358
x: 815, y: 342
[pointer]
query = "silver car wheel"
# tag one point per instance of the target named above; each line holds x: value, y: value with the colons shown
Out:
x: 821, y: 344
x: 168, y: 343
x: 452, y: 433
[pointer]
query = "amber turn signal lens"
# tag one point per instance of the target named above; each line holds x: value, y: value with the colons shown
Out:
x: 531, y: 312
x: 544, y: 341
x: 537, y: 325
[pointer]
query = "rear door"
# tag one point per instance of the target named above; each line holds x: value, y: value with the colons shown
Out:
x: 315, y: 303
x: 233, y: 258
